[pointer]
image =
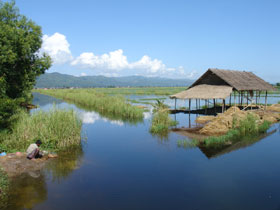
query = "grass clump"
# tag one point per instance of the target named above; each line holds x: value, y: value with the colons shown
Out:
x: 247, y: 128
x: 161, y: 120
x: 58, y: 129
x: 112, y: 107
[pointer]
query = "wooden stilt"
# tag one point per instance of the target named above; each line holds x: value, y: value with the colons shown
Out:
x: 265, y: 99
x: 230, y: 100
x: 175, y: 102
x: 205, y: 106
x: 241, y: 98
x: 247, y: 98
x: 190, y: 105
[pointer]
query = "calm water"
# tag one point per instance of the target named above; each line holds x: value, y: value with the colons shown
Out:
x: 122, y: 166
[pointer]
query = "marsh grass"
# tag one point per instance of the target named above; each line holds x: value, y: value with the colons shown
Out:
x: 58, y: 129
x: 247, y: 128
x: 161, y: 122
x: 112, y: 107
x: 141, y: 90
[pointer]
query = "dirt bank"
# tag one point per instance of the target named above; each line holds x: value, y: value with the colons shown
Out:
x: 15, y: 165
x: 222, y: 123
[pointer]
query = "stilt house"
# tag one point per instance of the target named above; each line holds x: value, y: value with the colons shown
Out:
x: 218, y: 84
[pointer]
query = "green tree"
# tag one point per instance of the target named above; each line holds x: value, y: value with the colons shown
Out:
x: 20, y: 60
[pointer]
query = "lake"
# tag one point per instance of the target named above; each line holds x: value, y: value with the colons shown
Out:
x: 122, y: 166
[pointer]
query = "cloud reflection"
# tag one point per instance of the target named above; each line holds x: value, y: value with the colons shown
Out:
x: 92, y: 117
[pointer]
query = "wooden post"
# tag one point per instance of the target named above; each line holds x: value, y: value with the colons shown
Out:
x: 265, y: 99
x: 241, y: 98
x: 205, y: 106
x: 230, y: 100
x: 214, y: 101
x: 247, y: 98
x: 234, y: 100
x: 190, y: 105
x: 224, y: 104
x: 175, y: 103
x: 256, y: 98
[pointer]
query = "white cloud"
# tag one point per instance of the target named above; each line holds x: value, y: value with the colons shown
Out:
x: 113, y: 63
x: 83, y: 74
x: 116, y: 63
x: 57, y: 47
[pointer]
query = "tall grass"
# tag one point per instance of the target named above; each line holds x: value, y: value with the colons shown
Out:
x: 58, y: 129
x: 161, y: 121
x: 247, y: 128
x: 141, y: 90
x: 113, y: 107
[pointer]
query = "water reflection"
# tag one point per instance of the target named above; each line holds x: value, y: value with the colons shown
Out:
x: 92, y: 117
x: 27, y: 191
x: 216, y: 151
x: 65, y: 164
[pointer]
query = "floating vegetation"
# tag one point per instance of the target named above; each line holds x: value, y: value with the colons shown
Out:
x: 58, y: 129
x: 112, y: 107
x: 141, y: 90
x: 161, y: 120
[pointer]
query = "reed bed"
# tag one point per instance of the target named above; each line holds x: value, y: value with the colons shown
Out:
x: 115, y: 107
x: 161, y: 122
x: 141, y: 90
x: 58, y: 129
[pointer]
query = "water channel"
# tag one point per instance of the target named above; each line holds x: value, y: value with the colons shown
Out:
x: 120, y: 165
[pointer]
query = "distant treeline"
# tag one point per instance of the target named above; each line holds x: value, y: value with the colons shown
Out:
x: 57, y: 80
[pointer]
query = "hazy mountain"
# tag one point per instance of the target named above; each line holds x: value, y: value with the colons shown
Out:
x: 57, y: 80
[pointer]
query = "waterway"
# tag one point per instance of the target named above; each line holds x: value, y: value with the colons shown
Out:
x: 121, y: 166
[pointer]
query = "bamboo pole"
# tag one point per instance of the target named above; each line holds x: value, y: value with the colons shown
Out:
x: 265, y: 99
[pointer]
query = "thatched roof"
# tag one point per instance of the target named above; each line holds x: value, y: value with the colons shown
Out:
x: 238, y: 80
x: 205, y: 92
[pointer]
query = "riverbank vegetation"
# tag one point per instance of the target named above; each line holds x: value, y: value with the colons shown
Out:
x: 113, y: 107
x: 57, y: 129
x: 20, y: 62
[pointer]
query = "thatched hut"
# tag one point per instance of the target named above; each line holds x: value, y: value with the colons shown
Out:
x: 217, y: 84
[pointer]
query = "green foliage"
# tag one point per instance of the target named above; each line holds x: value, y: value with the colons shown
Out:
x: 58, y: 129
x: 247, y: 128
x: 161, y: 121
x: 20, y: 63
x: 112, y: 107
x: 159, y: 106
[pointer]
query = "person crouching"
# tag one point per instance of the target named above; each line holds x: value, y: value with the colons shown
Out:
x: 33, y: 150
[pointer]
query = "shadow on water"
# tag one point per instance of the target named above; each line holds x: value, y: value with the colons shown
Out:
x: 215, y: 151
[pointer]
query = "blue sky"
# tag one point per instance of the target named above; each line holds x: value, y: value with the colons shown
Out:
x: 175, y: 38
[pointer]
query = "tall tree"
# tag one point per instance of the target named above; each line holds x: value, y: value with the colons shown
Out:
x: 20, y: 59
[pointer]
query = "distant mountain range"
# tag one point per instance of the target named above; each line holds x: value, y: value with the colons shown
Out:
x: 57, y: 80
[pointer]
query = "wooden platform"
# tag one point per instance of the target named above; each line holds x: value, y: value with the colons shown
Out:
x: 208, y: 111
